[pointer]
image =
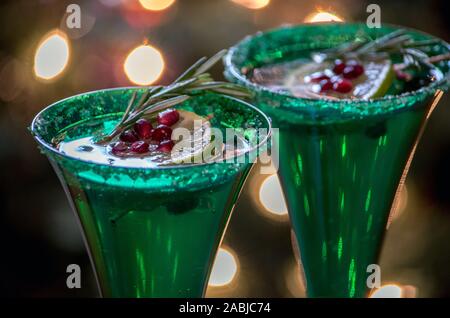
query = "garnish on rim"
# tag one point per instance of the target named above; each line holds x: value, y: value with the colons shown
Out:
x: 414, y: 53
x: 193, y: 81
x: 364, y: 68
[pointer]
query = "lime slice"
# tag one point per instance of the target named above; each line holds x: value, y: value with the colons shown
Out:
x: 193, y: 140
x: 375, y: 82
x: 378, y: 78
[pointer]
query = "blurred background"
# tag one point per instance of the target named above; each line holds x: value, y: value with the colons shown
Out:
x: 141, y: 42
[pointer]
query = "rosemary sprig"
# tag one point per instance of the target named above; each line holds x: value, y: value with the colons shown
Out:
x: 414, y: 53
x: 431, y: 60
x: 193, y: 81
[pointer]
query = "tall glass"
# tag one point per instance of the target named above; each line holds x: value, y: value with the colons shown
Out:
x: 341, y: 162
x: 150, y: 232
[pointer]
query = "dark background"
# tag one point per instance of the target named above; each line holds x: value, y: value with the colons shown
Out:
x: 38, y: 232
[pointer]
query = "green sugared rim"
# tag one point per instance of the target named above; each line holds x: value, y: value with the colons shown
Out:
x: 266, y: 47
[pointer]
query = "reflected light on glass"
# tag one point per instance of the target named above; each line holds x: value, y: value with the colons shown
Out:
x: 224, y: 269
x: 52, y: 55
x: 252, y: 4
x: 13, y: 79
x: 400, y: 203
x: 144, y: 65
x: 156, y: 5
x: 294, y: 280
x: 322, y: 16
x: 271, y: 196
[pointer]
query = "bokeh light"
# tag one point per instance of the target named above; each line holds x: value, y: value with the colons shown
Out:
x: 224, y: 269
x: 252, y: 4
x: 271, y: 197
x: 322, y: 16
x: 388, y: 291
x: 156, y: 5
x: 394, y: 291
x: 52, y: 55
x: 144, y: 65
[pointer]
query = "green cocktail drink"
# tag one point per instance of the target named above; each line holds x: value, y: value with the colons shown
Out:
x: 342, y: 160
x: 150, y: 231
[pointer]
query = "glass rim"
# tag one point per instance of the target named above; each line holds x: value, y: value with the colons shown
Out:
x: 233, y: 73
x: 48, y: 147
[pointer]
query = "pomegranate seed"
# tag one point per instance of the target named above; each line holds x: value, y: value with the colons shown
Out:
x: 343, y: 86
x: 165, y: 146
x: 316, y: 78
x: 139, y: 147
x: 143, y: 128
x: 353, y: 71
x: 359, y: 69
x: 325, y: 85
x: 161, y: 133
x: 403, y: 76
x: 168, y: 117
x: 339, y: 66
x: 128, y: 136
x: 119, y: 147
